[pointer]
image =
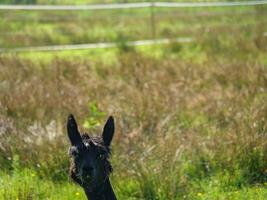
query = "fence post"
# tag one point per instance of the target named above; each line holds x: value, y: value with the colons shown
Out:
x: 152, y: 19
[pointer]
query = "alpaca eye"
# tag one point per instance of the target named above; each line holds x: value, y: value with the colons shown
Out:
x: 73, y: 151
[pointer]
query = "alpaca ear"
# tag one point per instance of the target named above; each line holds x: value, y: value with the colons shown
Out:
x: 73, y: 133
x: 108, y: 131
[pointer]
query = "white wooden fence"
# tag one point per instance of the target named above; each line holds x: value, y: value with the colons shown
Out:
x: 132, y: 5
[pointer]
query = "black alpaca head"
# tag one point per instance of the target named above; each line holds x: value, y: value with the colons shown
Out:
x: 90, y: 166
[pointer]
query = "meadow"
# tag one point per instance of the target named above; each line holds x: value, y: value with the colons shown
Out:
x: 191, y: 119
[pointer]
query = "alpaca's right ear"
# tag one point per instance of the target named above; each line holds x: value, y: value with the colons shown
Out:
x: 108, y: 131
x: 73, y: 133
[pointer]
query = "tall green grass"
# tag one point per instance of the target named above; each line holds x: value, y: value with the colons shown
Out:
x: 39, y: 28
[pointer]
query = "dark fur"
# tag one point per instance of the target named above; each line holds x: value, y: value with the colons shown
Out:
x: 101, y: 149
x: 90, y: 166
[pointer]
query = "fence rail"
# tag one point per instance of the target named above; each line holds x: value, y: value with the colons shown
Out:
x: 132, y: 5
x: 94, y: 45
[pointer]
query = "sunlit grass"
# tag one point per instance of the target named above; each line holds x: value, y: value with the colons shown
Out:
x: 26, y: 184
x: 21, y: 28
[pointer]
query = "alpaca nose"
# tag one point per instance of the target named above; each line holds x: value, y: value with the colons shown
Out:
x: 88, y: 169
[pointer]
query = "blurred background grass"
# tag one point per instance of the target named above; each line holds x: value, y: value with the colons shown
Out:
x: 190, y: 118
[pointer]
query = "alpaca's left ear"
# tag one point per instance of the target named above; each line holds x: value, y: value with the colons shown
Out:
x: 108, y: 131
x: 73, y: 132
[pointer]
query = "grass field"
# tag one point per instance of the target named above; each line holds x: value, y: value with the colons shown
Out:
x: 31, y: 28
x: 191, y: 119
